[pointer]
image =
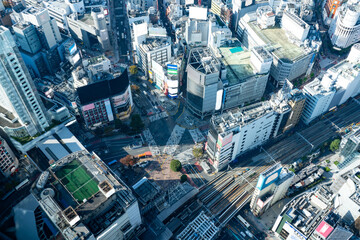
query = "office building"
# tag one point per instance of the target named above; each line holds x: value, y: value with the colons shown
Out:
x: 97, y: 66
x: 272, y: 186
x: 218, y: 35
x: 338, y: 84
x: 202, y: 227
x: 196, y: 32
x: 241, y: 129
x: 157, y: 49
x: 167, y: 77
x: 344, y: 29
x: 8, y: 161
x: 18, y: 94
x: 99, y: 102
x: 47, y: 28
x: 203, y: 72
x: 246, y: 74
x: 292, y: 55
x: 330, y: 9
x: 222, y: 11
x: 318, y: 99
x: 27, y: 37
x: 97, y: 205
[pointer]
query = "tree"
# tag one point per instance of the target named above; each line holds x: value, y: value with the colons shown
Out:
x: 122, y: 126
x: 133, y: 69
x: 183, y: 178
x: 334, y: 145
x: 136, y: 123
x: 197, y: 152
x: 128, y: 160
x: 175, y: 165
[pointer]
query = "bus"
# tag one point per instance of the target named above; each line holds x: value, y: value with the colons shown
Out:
x: 241, y: 219
x: 112, y: 162
x: 22, y: 184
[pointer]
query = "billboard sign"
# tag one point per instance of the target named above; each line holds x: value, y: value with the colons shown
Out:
x: 172, y: 69
x: 199, y: 13
x: 121, y: 99
x: 109, y: 111
x: 88, y: 107
x: 324, y: 229
x: 265, y: 181
x: 72, y: 49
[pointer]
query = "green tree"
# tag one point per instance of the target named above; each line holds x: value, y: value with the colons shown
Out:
x: 334, y: 145
x: 136, y: 123
x: 327, y: 169
x: 197, y: 152
x: 175, y: 165
x: 183, y: 178
x: 133, y: 69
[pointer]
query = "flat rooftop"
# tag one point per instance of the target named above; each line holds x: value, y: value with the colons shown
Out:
x: 237, y: 62
x: 87, y: 18
x: 7, y: 119
x: 240, y: 116
x: 276, y: 37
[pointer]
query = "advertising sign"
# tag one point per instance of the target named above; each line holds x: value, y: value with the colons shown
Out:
x: 172, y: 69
x: 121, y: 99
x: 88, y: 107
x: 264, y: 182
x: 72, y: 49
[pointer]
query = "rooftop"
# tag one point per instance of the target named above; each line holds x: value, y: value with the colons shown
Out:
x: 307, y: 211
x: 87, y: 19
x: 237, y: 62
x: 155, y: 43
x: 276, y: 37
x: 203, y: 60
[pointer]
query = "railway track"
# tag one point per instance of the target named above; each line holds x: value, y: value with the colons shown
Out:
x: 230, y: 212
x: 218, y: 191
x: 207, y: 187
x: 210, y: 189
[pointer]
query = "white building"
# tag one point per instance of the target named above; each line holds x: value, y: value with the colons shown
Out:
x: 166, y: 77
x: 338, y: 84
x: 345, y: 28
x: 241, y: 129
x: 318, y: 99
x: 265, y: 17
x: 217, y: 35
x: 196, y: 32
x: 158, y: 49
x: 295, y: 26
x: 271, y: 187
x: 18, y: 94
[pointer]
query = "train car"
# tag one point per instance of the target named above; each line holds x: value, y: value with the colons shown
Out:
x: 241, y: 219
x: 112, y: 162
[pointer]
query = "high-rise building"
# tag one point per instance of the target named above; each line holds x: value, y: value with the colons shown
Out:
x: 344, y: 30
x: 47, y: 28
x: 272, y: 186
x: 203, y: 78
x: 8, y: 160
x: 27, y: 37
x: 241, y: 129
x: 17, y: 91
x: 157, y: 49
x: 99, y: 102
x: 318, y: 99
